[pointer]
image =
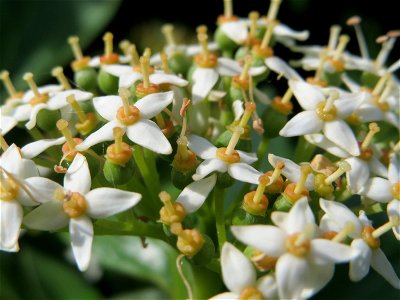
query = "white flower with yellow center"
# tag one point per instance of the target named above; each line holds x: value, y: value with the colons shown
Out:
x: 324, y: 114
x: 133, y: 119
x: 305, y: 263
x: 342, y: 222
x: 74, y: 204
x: 240, y: 277
x: 15, y: 193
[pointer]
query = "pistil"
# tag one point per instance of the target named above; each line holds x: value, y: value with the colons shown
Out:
x: 58, y: 72
x: 305, y: 170
x: 373, y: 129
x: 343, y: 167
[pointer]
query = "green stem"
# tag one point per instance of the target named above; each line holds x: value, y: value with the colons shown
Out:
x: 304, y: 150
x: 261, y: 151
x: 151, y: 163
x: 219, y: 216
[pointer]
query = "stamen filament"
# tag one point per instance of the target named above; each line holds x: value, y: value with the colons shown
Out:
x: 253, y: 16
x: 160, y: 121
x: 108, y: 44
x: 250, y: 107
x: 333, y: 37
x: 5, y: 77
x: 277, y: 171
x: 343, y: 167
x: 185, y: 105
x: 383, y: 54
x: 118, y: 133
x: 203, y: 38
x: 62, y: 125
x: 237, y: 132
x: 386, y: 92
x: 273, y: 10
x: 76, y: 48
x: 168, y: 32
x: 322, y: 58
x: 305, y: 170
x: 124, y: 46
x: 341, y: 235
x: 385, y: 227
x: 333, y: 95
x: 268, y: 34
x: 164, y: 61
x: 380, y: 84
x: 373, y: 129
x: 355, y: 22
x: 228, y: 8
x: 307, y: 234
x: 125, y: 94
x: 77, y: 108
x: 201, y: 29
x: 144, y: 65
x: 263, y: 181
x: 3, y: 144
x: 394, y: 67
x: 246, y: 67
x: 343, y: 41
x: 134, y: 55
x: 288, y: 95
x: 58, y: 72
x: 28, y: 77
x: 182, y: 142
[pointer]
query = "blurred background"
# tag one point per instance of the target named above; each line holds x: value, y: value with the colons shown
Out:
x: 33, y: 38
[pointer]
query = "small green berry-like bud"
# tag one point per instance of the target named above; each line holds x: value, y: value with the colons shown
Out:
x: 108, y: 83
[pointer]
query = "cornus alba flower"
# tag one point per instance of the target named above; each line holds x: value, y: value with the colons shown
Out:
x: 241, y: 279
x: 324, y: 114
x: 305, y: 263
x: 341, y: 221
x: 133, y: 119
x: 74, y: 204
x: 15, y: 193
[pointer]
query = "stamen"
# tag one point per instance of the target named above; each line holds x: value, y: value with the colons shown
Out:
x: 373, y: 129
x: 307, y: 234
x: 125, y: 94
x: 203, y: 41
x: 343, y: 41
x: 28, y: 77
x: 385, y: 227
x: 263, y: 181
x: 58, y: 72
x: 76, y: 48
x: 237, y: 132
x: 164, y: 61
x: 341, y: 235
x: 166, y: 199
x: 160, y: 121
x: 333, y: 37
x: 144, y: 66
x: 246, y: 67
x: 147, y: 53
x: 108, y: 44
x: 3, y: 144
x: 396, y: 148
x: 333, y: 95
x: 387, y: 46
x: 118, y: 133
x: 380, y: 84
x: 277, y: 171
x: 201, y: 29
x: 77, y: 108
x: 386, y: 92
x: 268, y: 34
x: 273, y: 10
x: 185, y: 106
x: 134, y: 55
x: 343, y: 167
x: 305, y: 170
x: 62, y: 125
x: 250, y: 107
x: 124, y: 46
x: 5, y: 77
x: 394, y: 67
x: 288, y: 95
x: 228, y: 9
x: 168, y: 32
x: 355, y: 22
x: 253, y: 16
x: 322, y: 58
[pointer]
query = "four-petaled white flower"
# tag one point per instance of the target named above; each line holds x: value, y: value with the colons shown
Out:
x: 74, y: 204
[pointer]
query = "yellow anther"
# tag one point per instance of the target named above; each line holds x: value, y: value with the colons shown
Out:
x: 124, y: 46
x: 381, y: 39
x: 343, y: 41
x: 58, y: 72
x: 379, y: 86
x: 341, y: 235
x: 251, y: 293
x: 237, y: 132
x: 268, y: 34
x: 373, y: 129
x: 250, y: 107
x: 77, y: 108
x: 62, y: 126
x: 189, y: 242
x: 277, y: 171
x: 343, y: 167
x: 305, y: 170
x: 3, y: 143
x: 201, y: 29
x: 354, y: 20
x: 203, y: 41
x: 288, y: 95
x: 166, y: 199
x: 125, y: 95
x: 144, y: 66
x: 9, y: 188
x: 273, y: 10
x: 134, y: 55
x: 164, y: 62
x: 76, y: 48
x: 333, y: 37
x: 333, y: 95
x: 246, y: 68
x: 147, y: 53
x: 253, y: 16
x: 5, y: 77
x: 168, y: 31
x: 108, y: 43
x: 28, y: 77
x: 228, y: 8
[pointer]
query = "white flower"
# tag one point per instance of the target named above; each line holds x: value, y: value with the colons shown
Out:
x: 33, y: 149
x: 337, y: 217
x: 323, y: 114
x: 238, y: 169
x: 241, y: 279
x: 74, y: 205
x: 14, y: 170
x: 305, y: 263
x: 393, y: 212
x: 279, y: 66
x: 139, y: 129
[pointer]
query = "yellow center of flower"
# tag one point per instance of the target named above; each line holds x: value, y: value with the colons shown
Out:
x: 127, y: 114
x: 228, y: 158
x: 326, y: 110
x: 396, y: 190
x: 9, y: 188
x: 119, y: 152
x: 298, y: 245
x: 251, y: 293
x: 74, y: 204
x: 109, y: 56
x: 367, y: 236
x: 38, y: 97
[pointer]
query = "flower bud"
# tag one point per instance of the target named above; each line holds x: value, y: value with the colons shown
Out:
x: 108, y: 83
x: 86, y: 79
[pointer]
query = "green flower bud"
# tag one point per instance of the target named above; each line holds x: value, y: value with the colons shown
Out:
x: 86, y: 79
x: 223, y: 41
x: 242, y: 217
x: 117, y: 174
x: 282, y: 204
x: 47, y: 119
x: 179, y: 63
x: 273, y: 121
x: 206, y: 253
x: 108, y: 83
x: 224, y: 180
x: 181, y: 179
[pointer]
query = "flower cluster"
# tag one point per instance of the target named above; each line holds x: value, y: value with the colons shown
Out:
x: 198, y: 121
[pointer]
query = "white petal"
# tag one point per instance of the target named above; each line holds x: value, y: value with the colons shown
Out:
x: 359, y: 267
x: 358, y: 175
x: 33, y: 149
x: 306, y: 94
x: 394, y: 169
x: 328, y: 224
x: 279, y: 218
x: 237, y: 271
x: 50, y: 89
x: 11, y: 161
x: 117, y: 70
x: 243, y: 172
x: 59, y: 100
x: 128, y: 80
x: 319, y: 276
x: 153, y: 104
x: 382, y: 265
x: 393, y: 211
x: 30, y: 168
x: 22, y: 112
x: 255, y: 71
x: 246, y: 157
x: 81, y: 233
x: 95, y: 62
x: 204, y: 80
x: 238, y: 110
x: 160, y: 78
x: 378, y: 189
x: 48, y: 216
x: 193, y: 196
x: 391, y: 118
x: 42, y: 189
x: 6, y: 124
x: 282, y: 30
x: 10, y: 223
x: 341, y: 215
x: 334, y: 252
x: 305, y: 122
x: 268, y: 287
x: 236, y: 31
x: 282, y: 68
x: 266, y: 238
x: 107, y: 106
x: 146, y: 133
x: 103, y: 134
x: 34, y: 112
x: 300, y: 215
x: 77, y: 178
x: 201, y: 147
x: 367, y: 112
x: 346, y: 105
x: 321, y: 141
x: 226, y: 296
x: 105, y: 202
x: 341, y: 134
x: 377, y: 167
x: 208, y: 166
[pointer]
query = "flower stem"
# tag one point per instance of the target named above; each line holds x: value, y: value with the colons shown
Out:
x: 261, y: 151
x: 219, y: 215
x: 304, y: 150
